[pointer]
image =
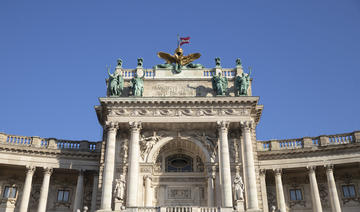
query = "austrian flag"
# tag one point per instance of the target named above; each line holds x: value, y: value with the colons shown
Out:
x: 184, y: 40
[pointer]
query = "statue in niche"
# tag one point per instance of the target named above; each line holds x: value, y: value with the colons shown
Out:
x: 242, y: 83
x: 120, y: 188
x: 238, y: 187
x: 137, y: 86
x: 115, y: 83
x: 219, y: 84
x: 199, y: 164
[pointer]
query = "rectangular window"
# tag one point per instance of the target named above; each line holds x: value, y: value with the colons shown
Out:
x: 349, y: 191
x: 9, y: 192
x: 63, y: 195
x: 295, y: 194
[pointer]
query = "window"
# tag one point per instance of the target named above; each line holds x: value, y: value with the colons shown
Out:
x: 295, y: 194
x: 9, y: 192
x: 63, y: 195
x: 349, y: 191
x: 179, y: 163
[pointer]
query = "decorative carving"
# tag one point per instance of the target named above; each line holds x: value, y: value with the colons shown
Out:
x: 199, y: 164
x: 147, y: 143
x: 135, y: 126
x: 223, y: 125
x: 179, y: 193
x: 111, y: 126
x: 277, y: 171
x: 48, y: 171
x: 247, y: 125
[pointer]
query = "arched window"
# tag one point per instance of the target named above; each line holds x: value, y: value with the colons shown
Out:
x: 179, y: 163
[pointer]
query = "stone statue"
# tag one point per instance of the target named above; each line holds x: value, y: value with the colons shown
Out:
x: 140, y: 62
x: 217, y: 62
x: 115, y: 84
x: 238, y: 62
x: 85, y: 209
x: 219, y: 84
x: 238, y: 188
x: 120, y: 188
x: 137, y: 86
x: 146, y: 144
x: 242, y: 83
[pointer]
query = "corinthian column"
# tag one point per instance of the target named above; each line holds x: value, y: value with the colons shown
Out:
x: 94, y: 192
x: 27, y: 189
x: 249, y: 167
x: 148, y: 193
x: 108, y: 173
x: 134, y: 155
x: 44, y: 190
x: 315, y: 196
x: 225, y: 171
x: 333, y: 194
x: 79, y: 192
x: 279, y: 191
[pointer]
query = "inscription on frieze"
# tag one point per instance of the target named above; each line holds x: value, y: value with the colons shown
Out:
x: 179, y: 193
x: 173, y: 90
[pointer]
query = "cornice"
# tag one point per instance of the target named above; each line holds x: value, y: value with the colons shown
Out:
x: 309, y: 152
x: 33, y: 151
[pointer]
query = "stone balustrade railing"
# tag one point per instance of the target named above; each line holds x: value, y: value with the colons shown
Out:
x: 178, y: 209
x: 49, y: 143
x: 298, y: 143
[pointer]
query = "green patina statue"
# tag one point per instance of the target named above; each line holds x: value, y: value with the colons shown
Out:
x: 238, y: 62
x: 219, y: 84
x: 119, y: 63
x: 115, y: 83
x: 217, y: 62
x: 140, y: 62
x: 242, y: 83
x: 165, y: 65
x: 137, y: 86
x: 194, y: 65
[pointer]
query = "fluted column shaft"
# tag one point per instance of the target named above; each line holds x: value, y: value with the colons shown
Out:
x: 263, y: 189
x: 27, y: 189
x: 249, y: 167
x: 279, y: 191
x: 211, y: 189
x: 315, y: 196
x: 108, y: 173
x: 225, y: 171
x: 94, y: 192
x: 44, y: 190
x: 134, y: 155
x: 79, y: 193
x: 148, y: 191
x: 333, y: 194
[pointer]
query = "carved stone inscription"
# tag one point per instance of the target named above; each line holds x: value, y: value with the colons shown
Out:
x: 179, y: 193
x: 172, y: 90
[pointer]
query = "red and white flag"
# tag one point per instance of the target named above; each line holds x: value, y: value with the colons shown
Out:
x: 184, y: 40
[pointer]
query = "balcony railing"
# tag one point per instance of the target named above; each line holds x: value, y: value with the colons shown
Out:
x: 305, y: 142
x: 49, y: 143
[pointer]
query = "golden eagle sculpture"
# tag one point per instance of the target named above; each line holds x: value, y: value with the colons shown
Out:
x: 179, y: 59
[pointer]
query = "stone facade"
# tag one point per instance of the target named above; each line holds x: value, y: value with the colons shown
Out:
x: 180, y: 148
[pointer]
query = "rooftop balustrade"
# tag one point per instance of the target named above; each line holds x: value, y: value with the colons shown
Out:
x: 49, y: 143
x: 309, y: 142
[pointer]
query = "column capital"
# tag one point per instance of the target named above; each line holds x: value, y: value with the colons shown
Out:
x: 135, y: 126
x: 30, y: 169
x: 278, y: 171
x: 311, y: 169
x: 223, y: 125
x: 81, y: 171
x: 262, y: 172
x: 48, y: 171
x: 111, y: 126
x: 147, y: 177
x: 247, y: 125
x: 329, y: 167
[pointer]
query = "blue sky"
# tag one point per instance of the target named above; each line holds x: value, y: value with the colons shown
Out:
x: 305, y: 57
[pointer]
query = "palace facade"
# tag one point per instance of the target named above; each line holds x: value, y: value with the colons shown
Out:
x: 176, y: 143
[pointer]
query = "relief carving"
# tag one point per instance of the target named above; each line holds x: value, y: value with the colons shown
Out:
x: 179, y: 193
